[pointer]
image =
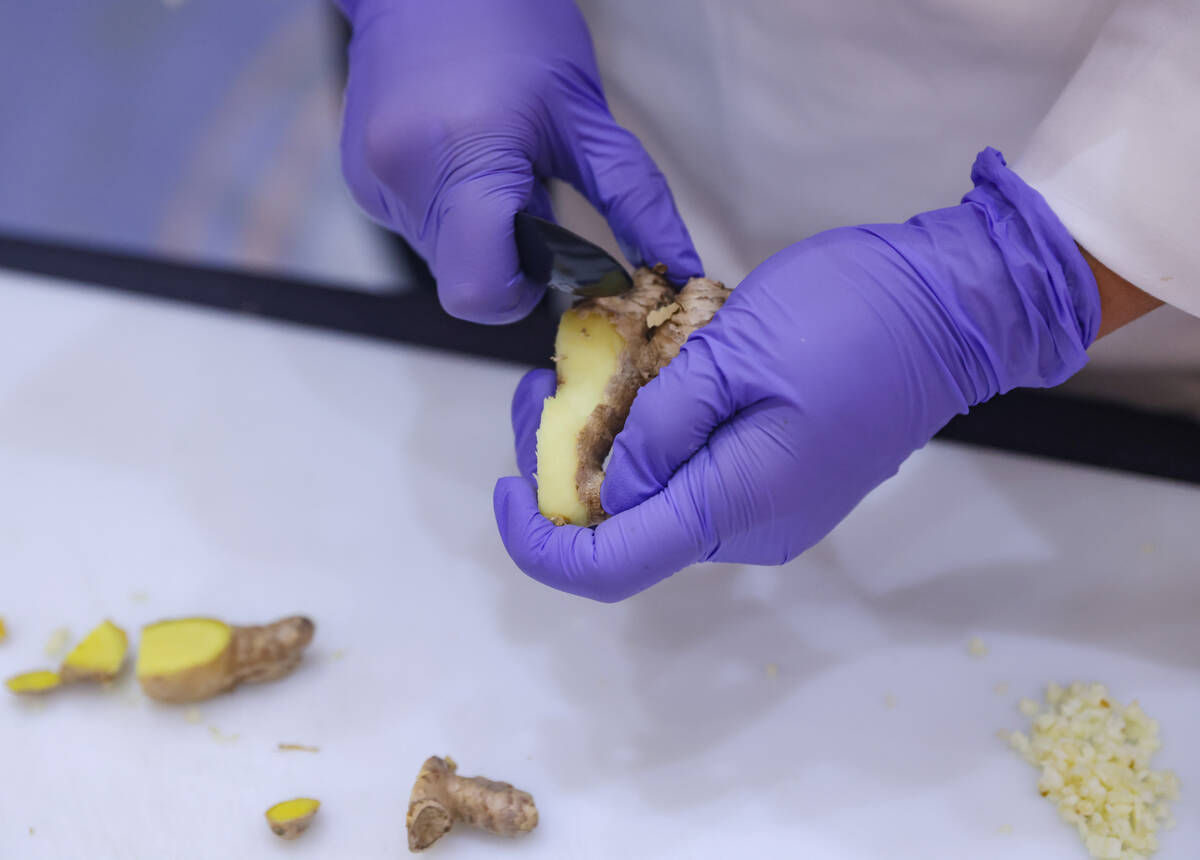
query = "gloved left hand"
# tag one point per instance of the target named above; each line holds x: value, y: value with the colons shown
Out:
x: 829, y: 365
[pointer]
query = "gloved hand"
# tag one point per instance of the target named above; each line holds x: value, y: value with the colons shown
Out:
x: 830, y: 364
x: 456, y: 109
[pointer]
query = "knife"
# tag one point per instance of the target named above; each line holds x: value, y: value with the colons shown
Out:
x: 553, y: 255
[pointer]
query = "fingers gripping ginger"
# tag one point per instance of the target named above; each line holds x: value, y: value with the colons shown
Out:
x: 440, y: 797
x: 190, y: 659
x: 606, y: 349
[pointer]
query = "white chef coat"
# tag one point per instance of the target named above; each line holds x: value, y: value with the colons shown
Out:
x: 775, y: 119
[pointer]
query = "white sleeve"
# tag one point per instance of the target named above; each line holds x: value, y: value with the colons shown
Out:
x: 1118, y: 156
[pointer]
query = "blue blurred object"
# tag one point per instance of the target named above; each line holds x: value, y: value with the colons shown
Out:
x: 203, y: 130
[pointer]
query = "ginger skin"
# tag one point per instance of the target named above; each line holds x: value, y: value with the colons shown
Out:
x: 607, y: 349
x: 440, y: 797
x: 192, y: 659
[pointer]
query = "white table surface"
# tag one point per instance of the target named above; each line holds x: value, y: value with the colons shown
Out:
x: 159, y: 460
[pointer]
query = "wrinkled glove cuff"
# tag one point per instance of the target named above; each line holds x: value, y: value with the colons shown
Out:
x: 1064, y: 292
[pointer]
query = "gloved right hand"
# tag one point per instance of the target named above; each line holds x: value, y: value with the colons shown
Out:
x: 832, y: 362
x: 457, y: 109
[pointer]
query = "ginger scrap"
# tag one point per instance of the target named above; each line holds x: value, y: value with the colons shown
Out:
x: 291, y: 817
x: 192, y: 659
x: 58, y: 641
x: 3, y: 631
x: 298, y: 748
x: 215, y: 733
x: 98, y: 657
x: 32, y: 683
x: 606, y: 349
x: 440, y: 798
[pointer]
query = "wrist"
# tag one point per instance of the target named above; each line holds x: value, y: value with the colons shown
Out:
x: 1120, y: 301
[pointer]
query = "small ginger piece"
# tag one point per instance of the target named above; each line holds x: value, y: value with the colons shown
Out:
x: 606, y: 350
x: 98, y: 657
x: 33, y: 683
x: 192, y: 659
x: 440, y: 797
x: 57, y: 642
x: 291, y: 817
x: 288, y: 747
x: 3, y: 631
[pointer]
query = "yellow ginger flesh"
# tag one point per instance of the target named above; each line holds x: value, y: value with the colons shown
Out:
x: 588, y: 349
x: 33, y: 682
x: 173, y: 646
x: 291, y: 817
x: 99, y: 656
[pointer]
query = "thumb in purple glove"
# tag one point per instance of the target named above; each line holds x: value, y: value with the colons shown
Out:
x: 455, y: 113
x: 830, y: 364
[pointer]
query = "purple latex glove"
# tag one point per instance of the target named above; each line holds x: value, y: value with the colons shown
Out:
x: 456, y: 109
x: 830, y: 364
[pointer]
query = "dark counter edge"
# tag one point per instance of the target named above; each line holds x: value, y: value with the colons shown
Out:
x: 1038, y: 423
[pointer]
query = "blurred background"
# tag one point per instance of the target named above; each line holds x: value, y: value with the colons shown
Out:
x: 207, y: 131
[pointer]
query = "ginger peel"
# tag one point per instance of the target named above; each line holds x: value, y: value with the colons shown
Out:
x: 440, y: 798
x: 192, y: 659
x: 606, y: 350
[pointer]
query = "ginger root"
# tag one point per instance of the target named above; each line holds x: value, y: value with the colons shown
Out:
x: 440, y: 798
x: 607, y: 349
x: 98, y: 657
x: 191, y: 659
x: 291, y: 817
x: 40, y: 681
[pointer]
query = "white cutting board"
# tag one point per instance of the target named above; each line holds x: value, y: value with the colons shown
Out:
x: 158, y: 460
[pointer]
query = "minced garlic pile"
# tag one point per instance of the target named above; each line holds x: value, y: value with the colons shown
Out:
x: 1095, y: 761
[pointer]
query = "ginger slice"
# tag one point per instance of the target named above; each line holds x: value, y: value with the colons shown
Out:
x: 33, y: 683
x: 97, y: 658
x: 192, y: 659
x: 291, y: 817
